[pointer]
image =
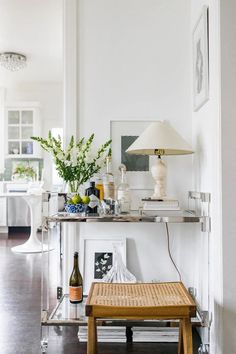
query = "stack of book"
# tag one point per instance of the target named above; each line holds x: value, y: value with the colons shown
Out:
x: 155, y: 334
x: 160, y: 204
x: 140, y: 334
x: 104, y: 334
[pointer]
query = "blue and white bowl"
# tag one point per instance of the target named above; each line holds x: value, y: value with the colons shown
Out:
x: 75, y: 208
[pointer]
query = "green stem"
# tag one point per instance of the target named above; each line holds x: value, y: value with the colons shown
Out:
x: 74, y: 186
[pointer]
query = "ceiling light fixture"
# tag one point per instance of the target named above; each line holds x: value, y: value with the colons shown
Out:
x: 12, y: 61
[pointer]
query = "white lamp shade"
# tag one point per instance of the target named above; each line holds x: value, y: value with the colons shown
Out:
x: 159, y: 138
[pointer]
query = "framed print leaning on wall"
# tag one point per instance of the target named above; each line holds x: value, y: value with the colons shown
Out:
x: 123, y: 133
x: 97, y: 257
x: 200, y: 61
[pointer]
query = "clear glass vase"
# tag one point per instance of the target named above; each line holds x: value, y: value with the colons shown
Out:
x: 71, y: 187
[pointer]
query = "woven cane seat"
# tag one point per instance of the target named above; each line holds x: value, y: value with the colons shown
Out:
x: 144, y: 299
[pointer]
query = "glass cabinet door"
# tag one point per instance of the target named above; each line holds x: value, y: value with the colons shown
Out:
x: 27, y: 117
x: 27, y: 147
x: 26, y: 132
x: 13, y: 132
x: 13, y: 148
x: 13, y: 117
x: 19, y: 131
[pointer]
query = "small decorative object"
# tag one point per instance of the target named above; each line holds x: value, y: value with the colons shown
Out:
x: 75, y: 208
x: 75, y: 164
x: 159, y: 139
x: 118, y: 272
x: 200, y: 61
x: 98, y: 257
x: 77, y: 204
x: 109, y: 207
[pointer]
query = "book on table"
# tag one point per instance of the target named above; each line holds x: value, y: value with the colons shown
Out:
x: 160, y: 204
x: 140, y: 334
x: 105, y: 334
x: 155, y: 334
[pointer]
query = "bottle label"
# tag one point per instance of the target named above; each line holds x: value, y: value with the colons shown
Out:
x: 109, y: 190
x: 94, y: 201
x: 76, y: 293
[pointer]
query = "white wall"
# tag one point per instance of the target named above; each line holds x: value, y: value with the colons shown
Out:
x: 50, y: 97
x: 134, y: 64
x: 228, y: 99
x: 206, y: 173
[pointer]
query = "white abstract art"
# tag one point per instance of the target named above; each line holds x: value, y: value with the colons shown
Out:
x: 200, y: 61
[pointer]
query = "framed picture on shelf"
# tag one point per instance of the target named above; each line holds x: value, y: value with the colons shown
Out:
x: 200, y: 61
x: 123, y: 134
x: 97, y: 257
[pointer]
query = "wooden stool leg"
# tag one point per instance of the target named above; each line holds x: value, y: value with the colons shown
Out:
x: 187, y: 336
x: 92, y: 336
x: 180, y: 345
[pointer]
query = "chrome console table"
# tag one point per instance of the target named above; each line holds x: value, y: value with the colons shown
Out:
x: 61, y: 312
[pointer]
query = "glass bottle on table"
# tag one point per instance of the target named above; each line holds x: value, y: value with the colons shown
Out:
x: 76, y: 283
x: 108, y: 181
x: 93, y: 193
x: 123, y: 192
x: 99, y: 186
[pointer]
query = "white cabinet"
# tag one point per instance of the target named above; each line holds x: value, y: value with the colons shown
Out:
x: 22, y: 122
x: 3, y: 211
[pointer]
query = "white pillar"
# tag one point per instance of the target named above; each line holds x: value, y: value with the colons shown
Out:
x: 70, y: 116
x: 70, y: 70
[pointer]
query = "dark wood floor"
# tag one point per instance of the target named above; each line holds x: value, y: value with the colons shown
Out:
x: 20, y: 312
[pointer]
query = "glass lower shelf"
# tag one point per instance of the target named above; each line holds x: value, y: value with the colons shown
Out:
x: 67, y: 314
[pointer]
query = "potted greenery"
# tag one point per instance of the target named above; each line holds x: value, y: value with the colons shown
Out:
x: 75, y: 164
x: 24, y: 172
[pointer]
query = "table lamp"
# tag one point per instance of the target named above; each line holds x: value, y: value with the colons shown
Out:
x: 159, y: 139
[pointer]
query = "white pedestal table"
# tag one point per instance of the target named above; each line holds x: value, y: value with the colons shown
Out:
x: 32, y: 245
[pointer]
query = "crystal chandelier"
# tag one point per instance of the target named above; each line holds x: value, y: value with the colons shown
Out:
x: 12, y: 61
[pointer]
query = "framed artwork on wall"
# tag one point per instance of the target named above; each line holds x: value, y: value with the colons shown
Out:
x: 97, y: 257
x: 200, y: 61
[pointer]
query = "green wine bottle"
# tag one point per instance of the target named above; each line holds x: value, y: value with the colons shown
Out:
x: 76, y: 283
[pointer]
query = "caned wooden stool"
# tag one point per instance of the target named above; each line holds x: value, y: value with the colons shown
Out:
x: 141, y: 301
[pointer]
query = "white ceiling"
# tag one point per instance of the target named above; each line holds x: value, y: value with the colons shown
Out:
x: 33, y: 28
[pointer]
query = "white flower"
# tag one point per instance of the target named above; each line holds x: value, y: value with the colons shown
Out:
x: 60, y: 156
x: 89, y: 157
x: 74, y: 157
